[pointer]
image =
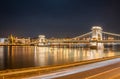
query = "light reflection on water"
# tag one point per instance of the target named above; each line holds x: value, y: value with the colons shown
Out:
x: 30, y: 56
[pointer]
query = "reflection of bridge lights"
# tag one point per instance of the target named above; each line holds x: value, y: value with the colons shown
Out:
x: 1, y: 57
x: 41, y: 49
x: 111, y: 53
x: 92, y: 54
x: 40, y: 55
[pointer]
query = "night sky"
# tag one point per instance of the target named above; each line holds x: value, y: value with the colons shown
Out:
x: 57, y: 18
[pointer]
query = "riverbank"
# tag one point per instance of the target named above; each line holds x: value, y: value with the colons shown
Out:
x: 33, y: 71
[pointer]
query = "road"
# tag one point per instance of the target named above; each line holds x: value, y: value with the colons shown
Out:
x: 109, y: 69
x: 110, y: 74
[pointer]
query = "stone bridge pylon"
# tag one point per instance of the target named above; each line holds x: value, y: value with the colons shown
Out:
x: 96, y: 36
x: 96, y: 33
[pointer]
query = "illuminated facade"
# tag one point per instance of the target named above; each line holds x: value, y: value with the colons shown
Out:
x: 22, y: 40
x: 3, y: 40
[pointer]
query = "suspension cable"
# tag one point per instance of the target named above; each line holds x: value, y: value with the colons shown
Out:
x: 111, y: 33
x: 82, y: 35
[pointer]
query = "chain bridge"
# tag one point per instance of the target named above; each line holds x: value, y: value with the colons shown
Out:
x: 96, y: 37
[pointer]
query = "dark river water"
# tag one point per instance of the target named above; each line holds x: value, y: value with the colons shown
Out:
x: 12, y: 57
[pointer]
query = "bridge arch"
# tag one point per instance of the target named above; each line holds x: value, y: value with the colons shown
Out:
x: 96, y: 36
x: 96, y: 33
x: 41, y: 39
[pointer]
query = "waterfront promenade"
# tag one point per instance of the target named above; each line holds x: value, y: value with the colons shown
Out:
x: 109, y: 69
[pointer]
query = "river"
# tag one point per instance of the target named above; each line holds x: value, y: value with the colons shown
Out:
x: 13, y: 57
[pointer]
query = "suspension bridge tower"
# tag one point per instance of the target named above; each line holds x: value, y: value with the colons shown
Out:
x: 96, y: 36
x: 41, y: 39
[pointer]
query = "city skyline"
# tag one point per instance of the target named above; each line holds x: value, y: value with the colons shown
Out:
x: 69, y: 18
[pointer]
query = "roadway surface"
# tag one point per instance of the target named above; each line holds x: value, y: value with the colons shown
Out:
x: 109, y: 69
